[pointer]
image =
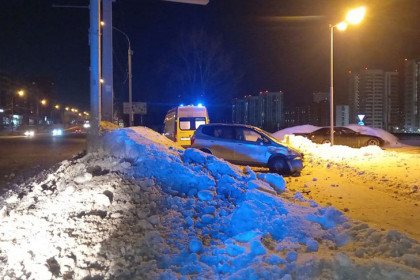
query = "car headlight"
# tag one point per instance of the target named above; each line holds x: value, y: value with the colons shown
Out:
x: 57, y: 132
x: 29, y: 133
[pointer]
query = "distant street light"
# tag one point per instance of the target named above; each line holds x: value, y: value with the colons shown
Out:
x: 57, y: 107
x: 21, y: 93
x: 130, y: 78
x: 354, y: 16
x: 44, y: 102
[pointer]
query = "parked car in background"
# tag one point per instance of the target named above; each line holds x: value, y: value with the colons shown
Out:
x: 343, y: 136
x: 247, y: 145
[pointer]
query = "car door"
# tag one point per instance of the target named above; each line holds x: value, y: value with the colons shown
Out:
x: 340, y: 138
x: 351, y: 137
x: 251, y: 147
x: 222, y: 142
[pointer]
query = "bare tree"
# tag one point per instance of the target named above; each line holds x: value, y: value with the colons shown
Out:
x: 202, y: 69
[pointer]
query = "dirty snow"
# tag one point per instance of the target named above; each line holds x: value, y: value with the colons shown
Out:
x: 144, y: 208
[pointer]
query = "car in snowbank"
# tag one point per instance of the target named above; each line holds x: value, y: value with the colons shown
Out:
x: 343, y: 136
x: 247, y: 145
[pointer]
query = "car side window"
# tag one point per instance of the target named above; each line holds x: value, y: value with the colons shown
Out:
x: 219, y: 132
x: 348, y: 131
x: 208, y: 130
x: 249, y: 135
x: 226, y: 132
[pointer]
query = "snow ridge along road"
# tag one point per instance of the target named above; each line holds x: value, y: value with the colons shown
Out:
x: 146, y: 209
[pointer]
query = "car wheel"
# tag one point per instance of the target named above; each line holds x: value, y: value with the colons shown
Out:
x: 373, y: 142
x: 206, y: 151
x: 326, y: 141
x: 279, y: 165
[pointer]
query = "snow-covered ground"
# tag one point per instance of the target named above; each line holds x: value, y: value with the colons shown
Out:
x: 144, y: 208
x: 372, y: 185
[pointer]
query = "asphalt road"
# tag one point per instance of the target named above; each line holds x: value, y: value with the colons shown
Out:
x: 22, y: 157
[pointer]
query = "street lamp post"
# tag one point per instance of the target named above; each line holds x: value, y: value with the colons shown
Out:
x: 354, y: 16
x: 21, y: 93
x: 130, y: 77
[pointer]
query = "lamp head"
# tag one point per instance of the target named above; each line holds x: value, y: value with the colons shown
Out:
x: 355, y: 16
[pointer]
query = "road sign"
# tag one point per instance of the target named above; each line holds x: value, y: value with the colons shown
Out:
x: 139, y: 108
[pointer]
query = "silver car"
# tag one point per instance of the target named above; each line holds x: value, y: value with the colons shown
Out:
x: 247, y: 145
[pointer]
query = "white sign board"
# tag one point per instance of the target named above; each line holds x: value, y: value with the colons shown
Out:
x: 138, y: 108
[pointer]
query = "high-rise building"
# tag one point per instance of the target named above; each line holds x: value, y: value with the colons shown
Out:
x: 374, y: 93
x: 264, y: 111
x: 391, y: 101
x: 342, y: 115
x: 411, y: 95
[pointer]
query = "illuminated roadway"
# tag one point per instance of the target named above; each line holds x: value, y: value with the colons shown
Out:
x: 22, y: 157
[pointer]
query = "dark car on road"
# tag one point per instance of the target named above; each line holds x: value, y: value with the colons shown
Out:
x: 343, y: 136
x: 247, y: 145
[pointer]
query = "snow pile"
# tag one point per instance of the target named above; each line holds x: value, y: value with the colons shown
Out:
x: 336, y: 153
x: 146, y: 209
x: 307, y: 128
x: 105, y: 125
x: 390, y: 140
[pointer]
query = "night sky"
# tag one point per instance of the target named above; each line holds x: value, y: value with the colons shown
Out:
x: 274, y: 45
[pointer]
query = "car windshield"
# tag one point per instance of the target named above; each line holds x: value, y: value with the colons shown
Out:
x: 268, y: 135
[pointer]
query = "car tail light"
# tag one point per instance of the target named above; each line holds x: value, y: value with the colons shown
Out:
x: 192, y: 139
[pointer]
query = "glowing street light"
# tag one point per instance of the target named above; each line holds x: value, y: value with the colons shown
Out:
x: 21, y: 93
x: 342, y: 26
x: 44, y: 102
x: 67, y: 108
x: 354, y: 16
x: 57, y: 107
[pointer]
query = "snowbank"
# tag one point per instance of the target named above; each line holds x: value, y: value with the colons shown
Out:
x: 105, y: 125
x: 307, y: 128
x: 146, y: 209
x: 390, y: 140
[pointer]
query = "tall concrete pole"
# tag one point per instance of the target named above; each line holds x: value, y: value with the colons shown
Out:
x: 107, y: 65
x: 95, y: 74
x: 332, y: 85
x: 130, y: 77
x: 130, y: 84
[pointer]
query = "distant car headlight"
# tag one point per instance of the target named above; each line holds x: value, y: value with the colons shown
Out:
x: 57, y: 132
x: 86, y: 125
x: 29, y: 133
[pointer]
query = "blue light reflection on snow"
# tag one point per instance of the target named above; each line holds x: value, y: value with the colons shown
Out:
x: 218, y: 224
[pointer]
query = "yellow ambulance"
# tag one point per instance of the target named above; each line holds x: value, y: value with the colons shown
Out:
x: 182, y: 121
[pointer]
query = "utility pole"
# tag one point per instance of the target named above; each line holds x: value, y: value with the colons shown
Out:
x: 107, y: 65
x: 130, y: 85
x: 95, y: 73
x: 130, y: 77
